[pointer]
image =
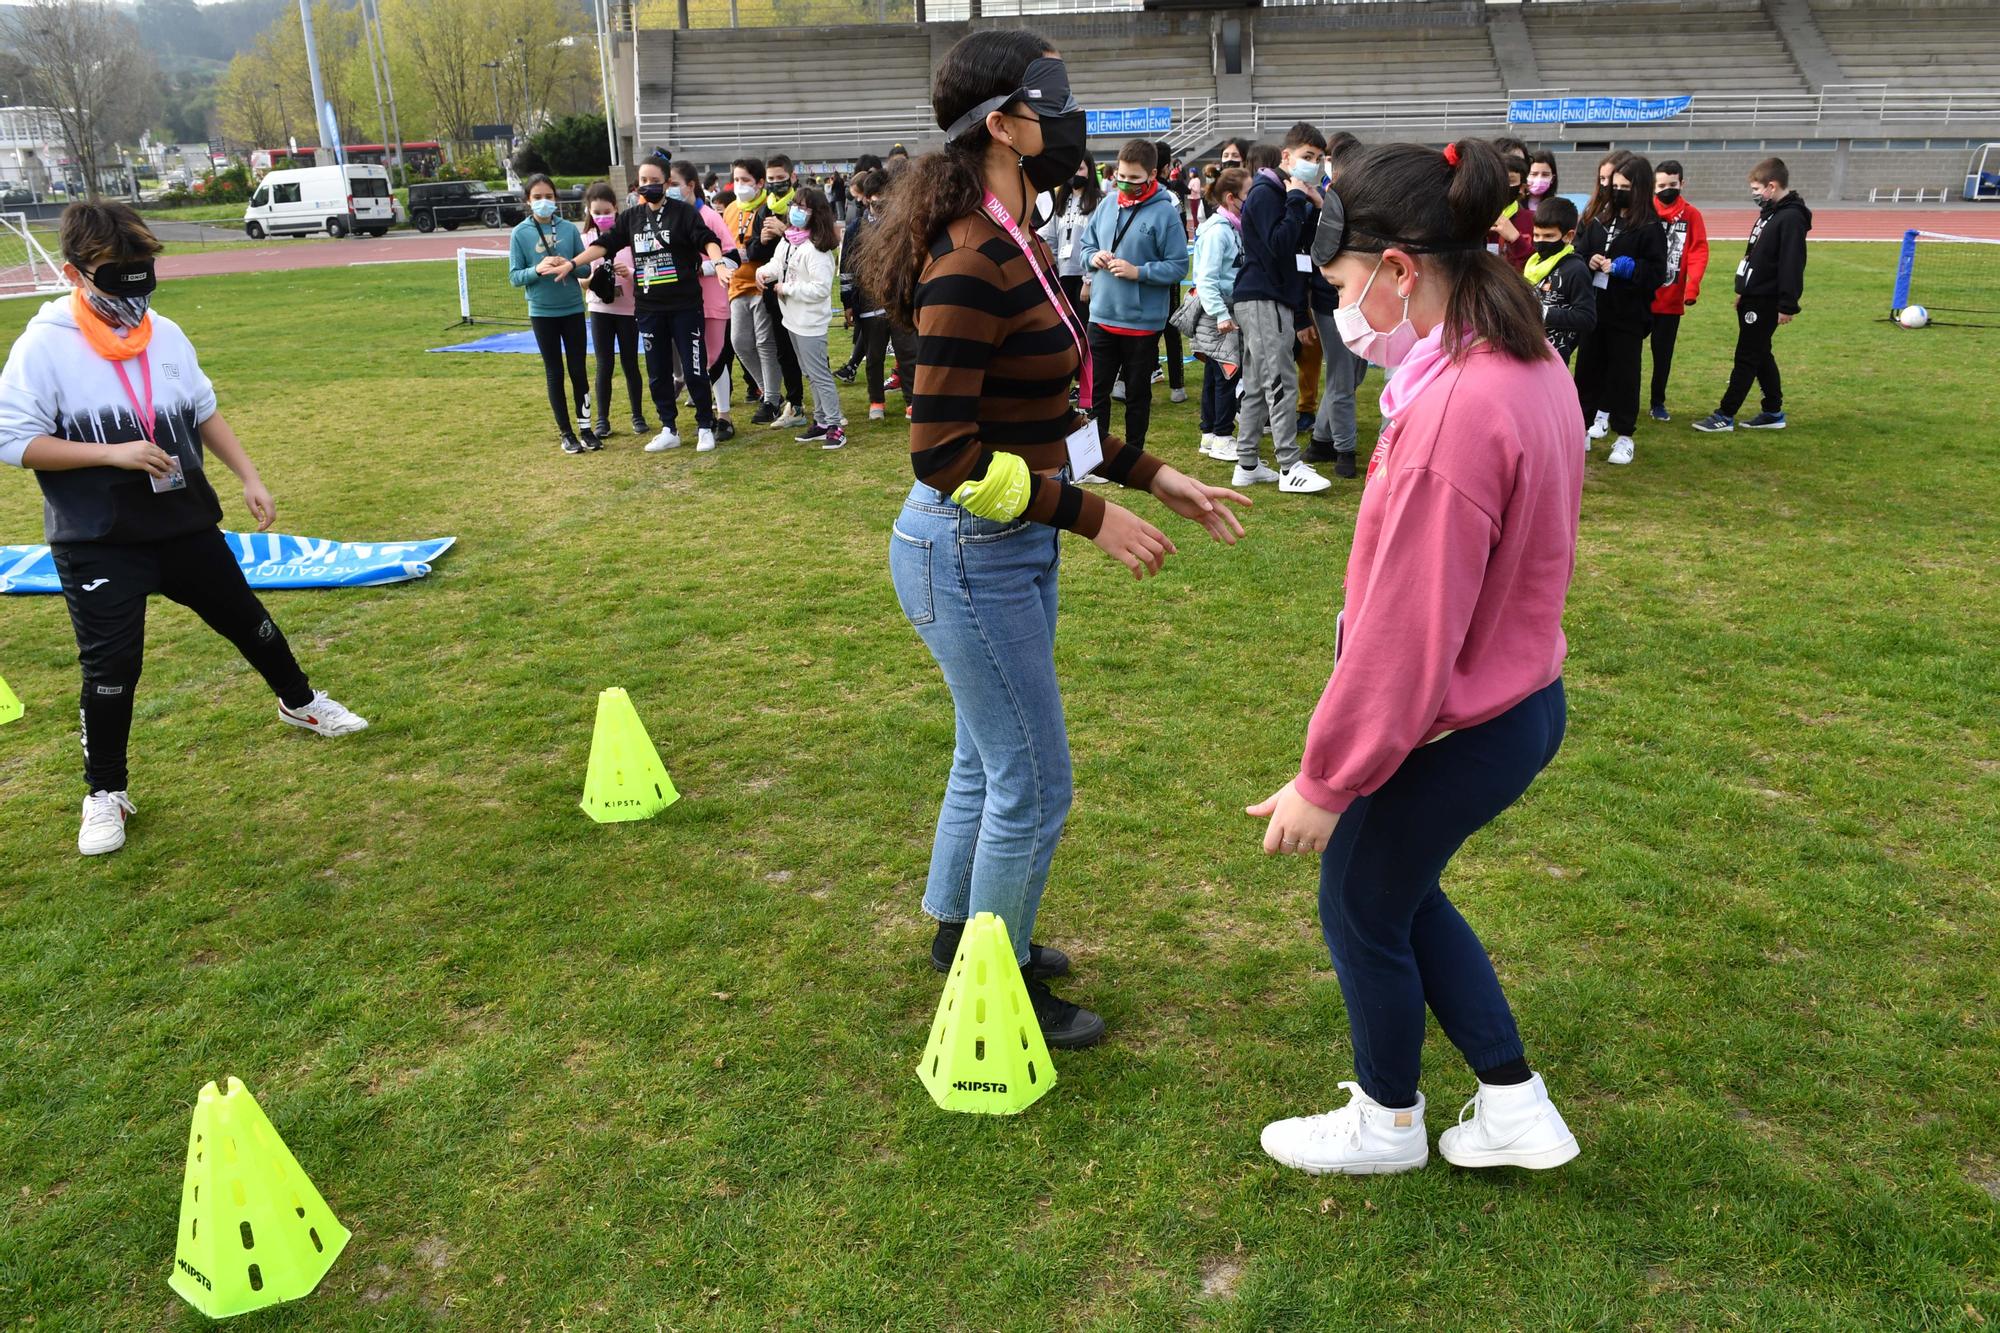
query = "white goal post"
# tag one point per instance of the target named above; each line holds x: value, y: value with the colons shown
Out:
x: 25, y: 266
x: 480, y: 299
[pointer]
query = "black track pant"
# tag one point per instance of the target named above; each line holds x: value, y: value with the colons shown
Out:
x: 873, y: 339
x: 1756, y: 321
x: 669, y: 336
x: 616, y: 337
x: 1110, y: 355
x: 788, y: 356
x: 106, y: 585
x: 1607, y: 377
x: 1666, y: 331
x: 560, y: 339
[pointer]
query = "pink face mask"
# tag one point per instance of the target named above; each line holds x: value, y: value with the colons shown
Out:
x: 1539, y: 185
x: 602, y: 220
x: 1368, y: 342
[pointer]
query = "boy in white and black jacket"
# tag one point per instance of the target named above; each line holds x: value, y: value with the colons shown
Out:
x: 1769, y: 283
x: 104, y: 401
x: 1561, y: 278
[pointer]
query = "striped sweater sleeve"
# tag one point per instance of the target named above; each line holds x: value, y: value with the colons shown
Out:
x: 964, y: 312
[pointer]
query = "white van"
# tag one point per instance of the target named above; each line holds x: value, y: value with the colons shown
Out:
x: 302, y: 201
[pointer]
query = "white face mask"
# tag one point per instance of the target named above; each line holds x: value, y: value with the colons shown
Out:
x: 1368, y: 342
x: 745, y: 193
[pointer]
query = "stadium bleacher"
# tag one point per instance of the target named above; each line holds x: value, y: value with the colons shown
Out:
x: 1299, y: 64
x: 1920, y: 47
x: 1724, y: 47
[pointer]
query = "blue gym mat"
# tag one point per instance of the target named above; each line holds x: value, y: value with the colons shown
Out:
x: 513, y: 340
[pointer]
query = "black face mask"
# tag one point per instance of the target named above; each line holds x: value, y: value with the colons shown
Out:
x: 1078, y: 181
x: 778, y: 189
x: 1669, y: 195
x: 652, y: 191
x: 1548, y: 249
x: 1621, y: 199
x: 1062, y: 151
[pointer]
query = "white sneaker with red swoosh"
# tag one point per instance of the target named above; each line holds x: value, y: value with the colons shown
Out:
x: 328, y: 717
x: 104, y: 816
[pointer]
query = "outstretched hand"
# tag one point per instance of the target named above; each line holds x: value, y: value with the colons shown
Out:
x: 1201, y: 503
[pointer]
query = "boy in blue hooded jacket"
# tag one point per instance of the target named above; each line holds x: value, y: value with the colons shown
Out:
x: 1135, y: 255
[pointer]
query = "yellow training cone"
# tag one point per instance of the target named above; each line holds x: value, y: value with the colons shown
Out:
x: 626, y: 779
x: 10, y: 703
x: 986, y: 1052
x: 253, y: 1230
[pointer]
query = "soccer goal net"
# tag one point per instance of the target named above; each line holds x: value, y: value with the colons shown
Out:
x: 25, y: 266
x: 486, y: 295
x: 1955, y: 278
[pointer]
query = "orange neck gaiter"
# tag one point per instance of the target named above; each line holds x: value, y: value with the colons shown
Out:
x: 103, y: 338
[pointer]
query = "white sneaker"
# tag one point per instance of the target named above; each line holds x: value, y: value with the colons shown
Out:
x: 328, y: 717
x: 876, y: 414
x: 704, y: 443
x: 1515, y: 1125
x: 1178, y: 396
x: 1600, y: 427
x: 1621, y: 451
x: 1257, y: 476
x: 1222, y: 448
x: 1362, y: 1138
x: 1118, y: 392
x: 788, y: 417
x: 665, y: 440
x: 1091, y: 479
x: 104, y: 815
x: 1300, y: 479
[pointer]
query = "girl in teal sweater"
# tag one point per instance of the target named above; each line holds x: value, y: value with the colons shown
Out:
x: 555, y: 307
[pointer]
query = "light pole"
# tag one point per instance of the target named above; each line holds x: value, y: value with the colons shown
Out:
x: 493, y: 67
x: 282, y: 117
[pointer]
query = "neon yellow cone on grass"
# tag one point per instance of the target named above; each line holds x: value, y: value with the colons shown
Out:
x: 10, y: 703
x: 986, y: 1052
x: 626, y: 779
x: 253, y: 1229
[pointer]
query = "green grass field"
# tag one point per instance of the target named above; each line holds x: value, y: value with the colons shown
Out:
x: 662, y: 1075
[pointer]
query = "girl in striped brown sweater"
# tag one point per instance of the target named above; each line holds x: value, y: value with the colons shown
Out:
x: 996, y: 445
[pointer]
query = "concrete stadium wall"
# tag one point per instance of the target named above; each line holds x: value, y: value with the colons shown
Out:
x: 1822, y: 171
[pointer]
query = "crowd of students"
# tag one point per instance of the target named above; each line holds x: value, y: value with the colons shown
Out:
x: 1180, y: 253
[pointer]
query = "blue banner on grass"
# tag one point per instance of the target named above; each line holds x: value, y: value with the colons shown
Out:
x: 269, y: 560
x: 1593, y: 110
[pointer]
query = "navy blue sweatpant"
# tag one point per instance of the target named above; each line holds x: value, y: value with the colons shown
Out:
x: 1397, y: 942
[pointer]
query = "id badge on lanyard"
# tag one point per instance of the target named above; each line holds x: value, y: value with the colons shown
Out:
x: 175, y: 480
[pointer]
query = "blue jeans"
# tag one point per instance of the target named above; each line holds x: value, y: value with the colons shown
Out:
x: 1396, y: 940
x: 982, y: 596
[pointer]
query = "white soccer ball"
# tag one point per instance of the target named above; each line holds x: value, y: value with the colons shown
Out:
x: 1914, y: 317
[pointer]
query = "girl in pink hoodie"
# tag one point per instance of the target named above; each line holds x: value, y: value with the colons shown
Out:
x: 1446, y: 694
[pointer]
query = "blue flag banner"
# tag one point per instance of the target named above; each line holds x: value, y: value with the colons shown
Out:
x: 1128, y: 120
x: 1593, y: 110
x: 269, y: 560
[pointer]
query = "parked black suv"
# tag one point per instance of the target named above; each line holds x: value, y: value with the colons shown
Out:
x: 452, y: 204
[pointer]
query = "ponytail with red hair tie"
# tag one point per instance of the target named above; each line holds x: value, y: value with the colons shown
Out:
x: 1451, y: 156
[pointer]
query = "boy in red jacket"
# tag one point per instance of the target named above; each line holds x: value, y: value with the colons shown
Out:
x: 1687, y: 261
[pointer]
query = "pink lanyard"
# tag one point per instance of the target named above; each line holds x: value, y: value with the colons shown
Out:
x: 144, y: 411
x: 998, y: 212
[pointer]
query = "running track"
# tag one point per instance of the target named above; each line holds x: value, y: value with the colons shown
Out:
x: 1724, y: 224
